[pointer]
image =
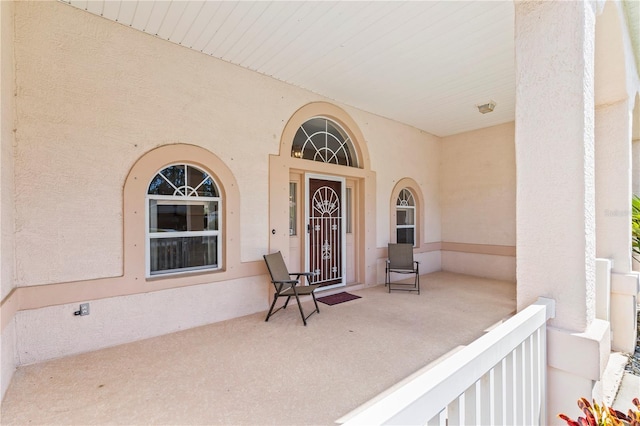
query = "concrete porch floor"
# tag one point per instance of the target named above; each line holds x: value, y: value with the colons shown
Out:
x: 248, y: 371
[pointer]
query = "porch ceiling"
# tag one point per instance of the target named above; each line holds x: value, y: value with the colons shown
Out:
x: 427, y: 64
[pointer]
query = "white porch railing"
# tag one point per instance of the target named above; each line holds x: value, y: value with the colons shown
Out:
x: 499, y: 379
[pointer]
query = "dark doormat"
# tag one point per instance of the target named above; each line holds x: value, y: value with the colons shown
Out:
x: 334, y: 299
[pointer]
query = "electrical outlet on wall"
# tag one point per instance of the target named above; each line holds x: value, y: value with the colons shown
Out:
x: 84, y: 310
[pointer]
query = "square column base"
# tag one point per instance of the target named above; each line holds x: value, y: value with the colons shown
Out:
x: 576, y: 362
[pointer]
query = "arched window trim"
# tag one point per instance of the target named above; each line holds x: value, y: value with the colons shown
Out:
x: 136, y: 186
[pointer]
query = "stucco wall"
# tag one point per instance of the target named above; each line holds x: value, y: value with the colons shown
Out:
x: 398, y: 152
x: 478, y: 199
x: 7, y: 115
x: 94, y: 98
x: 8, y: 356
x: 7, y: 109
x: 118, y: 320
x: 135, y: 93
x: 613, y: 187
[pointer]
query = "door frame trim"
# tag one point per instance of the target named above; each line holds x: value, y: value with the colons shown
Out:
x: 343, y: 230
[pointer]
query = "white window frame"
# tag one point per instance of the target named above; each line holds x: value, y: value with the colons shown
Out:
x: 400, y: 206
x: 193, y: 199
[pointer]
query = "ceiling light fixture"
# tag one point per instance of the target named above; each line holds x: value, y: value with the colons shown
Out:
x: 485, y: 108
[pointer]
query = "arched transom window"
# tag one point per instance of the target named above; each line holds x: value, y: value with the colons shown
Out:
x: 184, y: 223
x: 320, y: 139
x: 406, y: 217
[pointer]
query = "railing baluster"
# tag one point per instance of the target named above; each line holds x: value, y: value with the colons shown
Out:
x: 528, y: 380
x: 510, y: 377
x: 498, y: 394
x: 438, y: 420
x: 484, y: 399
x: 535, y: 382
x: 518, y: 385
x: 453, y: 412
x: 471, y: 405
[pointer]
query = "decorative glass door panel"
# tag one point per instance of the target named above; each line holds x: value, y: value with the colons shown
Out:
x: 325, y: 231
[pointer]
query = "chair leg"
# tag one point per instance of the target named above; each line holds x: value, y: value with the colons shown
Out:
x: 275, y: 298
x: 315, y: 302
x: 304, y: 320
x: 271, y: 311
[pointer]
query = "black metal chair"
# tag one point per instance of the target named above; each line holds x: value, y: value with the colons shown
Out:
x: 400, y: 260
x: 287, y: 287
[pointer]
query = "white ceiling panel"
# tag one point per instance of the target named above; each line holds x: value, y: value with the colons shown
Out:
x: 254, y: 40
x: 217, y: 17
x: 172, y: 17
x: 111, y: 9
x: 181, y: 27
x: 199, y: 24
x: 95, y: 7
x: 244, y: 34
x: 424, y: 63
x: 156, y: 16
x: 126, y: 11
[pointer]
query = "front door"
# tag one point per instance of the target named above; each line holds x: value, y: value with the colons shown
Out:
x: 325, y: 230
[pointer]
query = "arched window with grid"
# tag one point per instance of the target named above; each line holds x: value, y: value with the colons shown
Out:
x: 406, y: 217
x: 324, y: 140
x: 183, y: 221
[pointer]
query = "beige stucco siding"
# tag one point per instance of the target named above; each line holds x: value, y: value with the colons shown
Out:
x: 7, y: 115
x: 7, y: 124
x: 400, y: 151
x: 85, y: 122
x: 478, y: 190
x: 478, y: 197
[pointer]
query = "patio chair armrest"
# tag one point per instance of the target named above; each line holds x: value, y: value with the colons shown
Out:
x: 304, y: 274
x: 307, y: 275
x: 285, y: 281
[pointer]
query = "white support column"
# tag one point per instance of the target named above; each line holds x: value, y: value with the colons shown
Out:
x: 603, y: 289
x: 555, y: 158
x: 555, y: 188
x: 613, y: 216
x: 613, y: 184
